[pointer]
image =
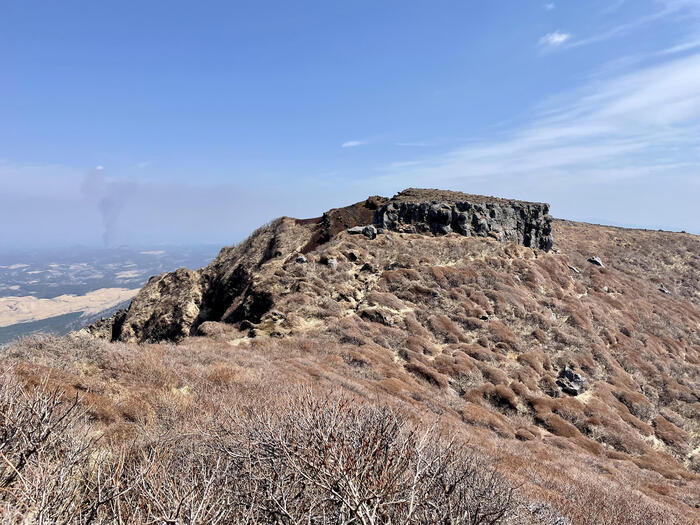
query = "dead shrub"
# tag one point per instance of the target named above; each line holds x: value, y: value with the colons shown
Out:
x: 670, y: 433
x: 426, y: 373
x: 499, y: 396
x: 444, y: 329
x: 636, y: 403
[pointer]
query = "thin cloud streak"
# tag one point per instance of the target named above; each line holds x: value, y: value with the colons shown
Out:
x: 412, y: 144
x: 642, y: 124
x: 670, y: 7
x: 680, y: 48
x: 352, y: 143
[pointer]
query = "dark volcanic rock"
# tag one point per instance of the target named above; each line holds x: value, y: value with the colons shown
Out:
x: 442, y: 212
x: 369, y: 231
x: 570, y: 382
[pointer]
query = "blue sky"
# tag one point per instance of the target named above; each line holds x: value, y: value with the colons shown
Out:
x: 146, y: 122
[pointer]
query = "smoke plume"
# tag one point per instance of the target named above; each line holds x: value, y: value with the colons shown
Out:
x: 111, y: 197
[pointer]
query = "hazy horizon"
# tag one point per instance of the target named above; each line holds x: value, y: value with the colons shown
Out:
x: 133, y: 124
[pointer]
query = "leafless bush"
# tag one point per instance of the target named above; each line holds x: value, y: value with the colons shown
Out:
x: 181, y: 481
x: 342, y: 463
x: 32, y: 423
x: 308, y: 461
x: 50, y: 469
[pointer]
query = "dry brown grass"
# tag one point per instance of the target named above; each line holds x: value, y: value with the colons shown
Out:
x: 468, y: 334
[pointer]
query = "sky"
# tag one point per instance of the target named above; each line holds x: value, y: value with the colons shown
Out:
x: 183, y: 122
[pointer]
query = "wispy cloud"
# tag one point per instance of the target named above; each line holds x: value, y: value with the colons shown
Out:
x: 412, y: 144
x: 549, y: 6
x: 554, y: 39
x: 681, y: 48
x: 642, y: 123
x: 353, y: 143
x: 668, y: 8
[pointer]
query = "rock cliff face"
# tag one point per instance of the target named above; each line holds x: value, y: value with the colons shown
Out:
x: 173, y: 305
x: 443, y: 212
x: 242, y: 283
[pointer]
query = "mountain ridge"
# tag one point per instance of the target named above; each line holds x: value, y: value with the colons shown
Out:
x: 587, y: 350
x: 189, y: 298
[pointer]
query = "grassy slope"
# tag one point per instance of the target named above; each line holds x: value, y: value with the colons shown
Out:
x: 464, y: 332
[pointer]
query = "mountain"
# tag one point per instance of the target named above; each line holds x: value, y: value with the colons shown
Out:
x: 244, y: 283
x: 567, y: 354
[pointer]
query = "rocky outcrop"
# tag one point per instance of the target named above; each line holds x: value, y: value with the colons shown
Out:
x: 570, y: 382
x: 173, y: 305
x: 241, y: 284
x: 442, y: 212
x: 166, y: 308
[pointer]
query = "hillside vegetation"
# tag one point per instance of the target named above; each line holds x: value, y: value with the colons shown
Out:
x: 311, y: 375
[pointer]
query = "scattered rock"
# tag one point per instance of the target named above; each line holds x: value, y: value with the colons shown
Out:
x: 369, y: 231
x: 570, y: 382
x: 274, y: 315
x: 332, y: 263
x: 301, y: 259
x: 368, y: 268
x: 376, y: 315
x: 663, y: 289
x: 574, y: 269
x: 596, y: 260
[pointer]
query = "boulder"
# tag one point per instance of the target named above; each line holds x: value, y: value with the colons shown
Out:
x: 596, y: 260
x: 571, y: 382
x: 369, y: 231
x: 165, y: 308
